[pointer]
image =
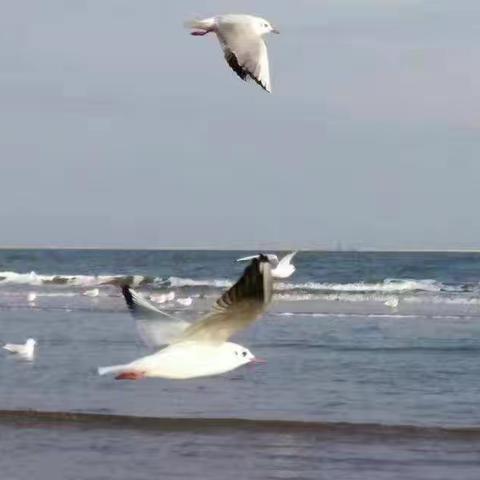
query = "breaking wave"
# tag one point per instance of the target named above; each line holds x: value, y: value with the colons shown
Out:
x: 189, y: 282
x: 389, y: 285
x: 35, y: 279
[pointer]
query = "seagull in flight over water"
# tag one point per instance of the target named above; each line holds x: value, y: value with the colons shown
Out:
x: 203, y: 349
x: 240, y: 37
x: 282, y: 268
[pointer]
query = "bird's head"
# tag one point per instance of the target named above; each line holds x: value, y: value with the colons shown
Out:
x: 238, y: 355
x: 264, y: 26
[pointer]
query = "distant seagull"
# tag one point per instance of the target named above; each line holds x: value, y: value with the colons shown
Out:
x: 25, y: 351
x: 31, y: 297
x: 203, y: 350
x: 392, y: 302
x: 185, y: 302
x: 163, y: 297
x: 281, y: 268
x: 94, y: 292
x: 240, y: 37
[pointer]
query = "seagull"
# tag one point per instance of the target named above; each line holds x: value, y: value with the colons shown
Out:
x: 25, y: 351
x: 203, y: 348
x: 240, y: 37
x: 31, y: 297
x: 94, y: 292
x: 281, y: 268
x: 185, y: 302
x: 392, y: 302
x: 163, y: 297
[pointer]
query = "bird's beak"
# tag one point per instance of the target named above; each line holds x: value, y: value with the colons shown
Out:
x: 274, y: 30
x: 256, y: 360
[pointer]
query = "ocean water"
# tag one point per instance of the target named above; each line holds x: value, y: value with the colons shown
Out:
x: 372, y: 369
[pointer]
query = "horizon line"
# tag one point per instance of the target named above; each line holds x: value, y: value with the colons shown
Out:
x: 227, y: 249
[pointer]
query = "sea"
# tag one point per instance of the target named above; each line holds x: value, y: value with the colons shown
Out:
x: 372, y: 369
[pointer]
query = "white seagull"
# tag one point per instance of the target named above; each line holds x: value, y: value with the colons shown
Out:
x: 240, y: 37
x: 31, y: 297
x: 282, y: 268
x: 392, y: 302
x: 94, y: 292
x: 185, y: 302
x: 25, y: 351
x: 163, y: 297
x: 203, y: 349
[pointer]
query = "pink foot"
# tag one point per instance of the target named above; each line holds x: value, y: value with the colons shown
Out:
x: 130, y: 376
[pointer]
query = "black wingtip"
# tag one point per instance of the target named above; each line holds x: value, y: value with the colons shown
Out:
x: 127, y: 295
x: 263, y: 258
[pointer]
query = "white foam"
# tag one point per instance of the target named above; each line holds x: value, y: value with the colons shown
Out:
x: 189, y: 282
x: 387, y: 286
x: 445, y: 300
x: 24, y: 278
x: 91, y: 281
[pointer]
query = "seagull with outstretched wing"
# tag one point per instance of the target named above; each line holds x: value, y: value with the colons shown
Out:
x: 203, y: 348
x: 241, y: 38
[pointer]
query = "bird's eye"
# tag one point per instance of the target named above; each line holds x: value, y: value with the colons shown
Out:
x: 265, y: 25
x: 244, y: 354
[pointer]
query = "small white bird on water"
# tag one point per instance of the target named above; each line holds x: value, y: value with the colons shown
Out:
x: 26, y: 351
x: 163, y: 297
x: 94, y: 292
x: 392, y: 302
x: 31, y: 297
x: 240, y: 37
x: 203, y: 350
x: 185, y: 302
x: 282, y: 268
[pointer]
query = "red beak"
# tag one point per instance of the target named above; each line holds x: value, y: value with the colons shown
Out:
x: 257, y: 360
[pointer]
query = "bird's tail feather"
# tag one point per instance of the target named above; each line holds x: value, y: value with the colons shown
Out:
x: 205, y: 24
x: 112, y: 369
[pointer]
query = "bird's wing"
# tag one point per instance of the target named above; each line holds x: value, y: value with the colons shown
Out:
x: 13, y: 348
x: 156, y: 328
x: 272, y: 258
x: 287, y: 258
x: 245, y: 52
x: 238, y: 307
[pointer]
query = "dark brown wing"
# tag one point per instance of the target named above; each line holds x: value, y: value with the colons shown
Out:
x: 238, y: 307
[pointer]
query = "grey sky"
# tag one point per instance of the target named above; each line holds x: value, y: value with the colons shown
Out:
x: 117, y: 128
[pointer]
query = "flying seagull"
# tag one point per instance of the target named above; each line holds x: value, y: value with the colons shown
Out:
x: 282, y: 268
x: 203, y: 348
x: 240, y: 37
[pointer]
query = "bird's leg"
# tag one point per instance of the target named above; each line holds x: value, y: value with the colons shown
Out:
x: 132, y: 375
